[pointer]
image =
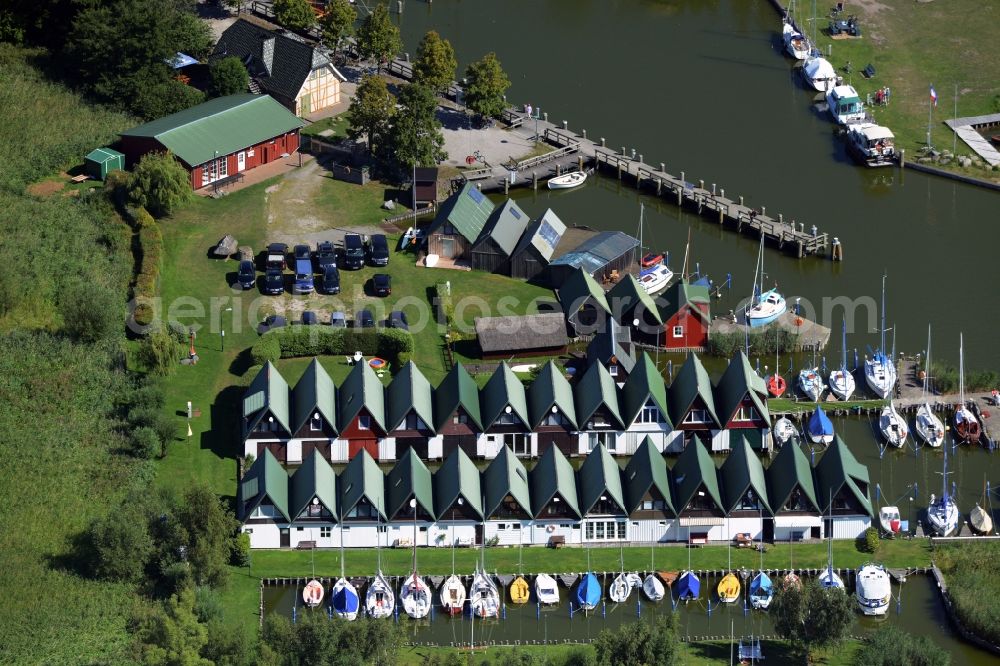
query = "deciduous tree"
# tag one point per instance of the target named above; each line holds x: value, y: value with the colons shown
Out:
x: 172, y: 635
x: 159, y: 184
x: 337, y: 24
x: 812, y: 616
x: 639, y: 643
x: 209, y: 529
x: 891, y: 646
x: 416, y: 131
x: 435, y: 64
x: 371, y: 111
x: 486, y: 86
x: 294, y: 14
x: 378, y: 37
x: 118, y: 546
x: 229, y: 77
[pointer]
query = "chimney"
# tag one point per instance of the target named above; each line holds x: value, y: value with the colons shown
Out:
x: 267, y: 53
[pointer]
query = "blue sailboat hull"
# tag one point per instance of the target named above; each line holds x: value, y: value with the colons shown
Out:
x: 688, y: 586
x: 345, y: 601
x: 588, y: 592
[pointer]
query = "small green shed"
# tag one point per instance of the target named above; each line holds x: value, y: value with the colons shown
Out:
x: 100, y: 161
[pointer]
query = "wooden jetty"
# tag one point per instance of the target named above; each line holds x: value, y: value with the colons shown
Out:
x: 808, y: 335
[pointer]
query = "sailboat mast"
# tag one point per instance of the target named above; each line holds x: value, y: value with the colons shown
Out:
x: 642, y: 210
x: 961, y: 367
x: 843, y: 344
x: 927, y: 363
x: 882, y: 325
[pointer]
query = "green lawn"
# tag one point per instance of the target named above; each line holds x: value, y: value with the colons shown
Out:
x: 338, y: 124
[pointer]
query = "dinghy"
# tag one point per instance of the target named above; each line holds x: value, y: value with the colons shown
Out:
x: 653, y: 588
x: 546, y: 590
x: 568, y: 180
x: 655, y: 279
x: 820, y: 427
x: 893, y: 426
x: 453, y: 595
x: 620, y: 588
x: 519, y: 591
x: 312, y: 593
x: 483, y: 596
x: 729, y: 588
x: 588, y: 592
x: 379, y: 600
x: 980, y: 520
x: 776, y: 385
x: 416, y: 597
x: 651, y: 259
x: 873, y: 590
x: 345, y: 600
x: 889, y: 520
x: 761, y: 591
x: 688, y: 586
x: 811, y: 384
x: 784, y: 430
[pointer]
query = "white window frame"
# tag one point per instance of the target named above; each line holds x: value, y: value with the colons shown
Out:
x: 325, y: 532
x: 697, y: 416
x: 678, y: 331
x: 364, y: 422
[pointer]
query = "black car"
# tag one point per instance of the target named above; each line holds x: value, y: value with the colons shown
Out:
x: 338, y: 320
x: 274, y: 282
x: 246, y: 275
x: 382, y: 284
x: 397, y: 319
x: 276, y: 256
x: 354, y: 252
x: 365, y: 319
x: 326, y: 255
x: 309, y: 318
x: 302, y: 252
x: 378, y: 250
x: 270, y: 323
x: 331, y: 281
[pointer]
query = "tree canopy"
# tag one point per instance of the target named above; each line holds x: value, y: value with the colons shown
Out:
x: 891, y: 646
x: 378, y: 36
x: 294, y: 14
x: 811, y: 616
x: 159, y: 183
x: 435, y: 64
x: 639, y: 643
x: 416, y: 131
x: 337, y: 24
x: 172, y: 635
x: 313, y: 639
x: 229, y: 77
x: 486, y: 86
x: 371, y: 112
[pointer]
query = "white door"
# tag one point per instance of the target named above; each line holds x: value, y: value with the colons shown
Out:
x: 241, y: 161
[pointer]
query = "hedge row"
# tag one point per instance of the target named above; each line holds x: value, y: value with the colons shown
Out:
x: 148, y: 278
x: 393, y: 344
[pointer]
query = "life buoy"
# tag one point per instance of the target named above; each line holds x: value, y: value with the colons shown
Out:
x: 470, y: 159
x: 550, y: 528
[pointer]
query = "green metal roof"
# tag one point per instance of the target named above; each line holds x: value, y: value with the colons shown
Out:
x: 552, y: 476
x: 409, y: 478
x: 362, y: 479
x: 410, y: 390
x: 550, y: 389
x: 643, y: 384
x: 742, y: 472
x: 691, y: 382
x: 102, y: 155
x: 681, y: 294
x: 458, y: 477
x: 790, y: 470
x: 361, y: 389
x: 694, y: 469
x: 610, y: 342
x: 457, y: 389
x: 596, y: 389
x: 467, y: 210
x: 314, y: 478
x: 646, y: 470
x: 579, y: 287
x: 598, y: 476
x: 502, y: 390
x: 628, y: 294
x: 268, y: 393
x: 505, y: 226
x: 506, y: 475
x: 543, y: 234
x: 265, y: 478
x: 738, y: 381
x: 839, y: 468
x: 219, y: 127
x: 315, y: 392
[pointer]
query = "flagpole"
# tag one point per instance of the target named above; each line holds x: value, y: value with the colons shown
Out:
x: 954, y: 134
x: 930, y: 110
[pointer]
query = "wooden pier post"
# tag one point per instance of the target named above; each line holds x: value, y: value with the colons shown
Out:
x: 801, y: 249
x: 546, y: 115
x: 659, y: 186
x: 663, y: 167
x: 836, y: 250
x: 741, y: 199
x: 701, y: 184
x: 619, y: 169
x: 680, y: 194
x: 584, y: 134
x: 641, y: 161
x: 763, y: 211
x: 579, y: 162
x: 534, y: 180
x: 603, y: 143
x: 558, y: 169
x: 713, y: 189
x: 781, y: 218
x: 565, y: 125
x: 722, y: 193
x: 623, y: 151
x: 506, y: 186
x: 902, y: 158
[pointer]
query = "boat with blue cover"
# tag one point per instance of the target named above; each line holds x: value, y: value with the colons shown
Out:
x: 588, y: 592
x: 820, y: 428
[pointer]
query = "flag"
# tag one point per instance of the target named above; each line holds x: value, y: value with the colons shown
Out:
x: 189, y: 430
x: 933, y: 96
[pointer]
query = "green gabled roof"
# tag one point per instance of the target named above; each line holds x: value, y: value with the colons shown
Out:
x: 599, y: 475
x: 553, y: 475
x: 314, y: 478
x: 265, y: 478
x: 409, y: 477
x: 506, y: 475
x: 838, y: 468
x: 458, y: 477
x: 362, y: 478
x: 315, y: 392
x: 740, y: 473
x: 505, y: 226
x: 467, y: 210
x: 694, y: 468
x: 219, y: 127
x: 629, y: 294
x: 681, y: 294
x: 595, y: 389
x: 410, y: 390
x: 579, y: 286
x: 362, y: 388
x: 102, y: 155
x: 268, y: 392
x: 503, y: 389
x: 550, y: 389
x: 739, y: 380
x: 457, y: 389
x: 647, y: 469
x: 644, y: 383
x: 789, y: 470
x: 691, y: 381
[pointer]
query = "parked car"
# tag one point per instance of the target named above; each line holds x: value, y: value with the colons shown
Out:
x: 382, y: 284
x: 270, y: 323
x: 331, y: 281
x: 246, y: 274
x: 397, y: 319
x: 365, y: 319
x: 354, y: 252
x: 309, y: 318
x: 274, y: 282
x: 303, y: 277
x: 378, y: 250
x: 276, y: 256
x: 300, y: 252
x: 338, y: 320
x: 326, y: 255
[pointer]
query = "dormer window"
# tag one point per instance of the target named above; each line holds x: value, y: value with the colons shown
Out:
x: 697, y: 416
x: 650, y: 413
x: 365, y: 422
x: 745, y: 413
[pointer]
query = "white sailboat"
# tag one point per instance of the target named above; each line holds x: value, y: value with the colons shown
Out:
x: 841, y: 380
x: 620, y: 588
x: 893, y: 425
x: 653, y: 588
x: 452, y: 591
x: 829, y: 578
x: 966, y: 424
x: 880, y: 371
x: 483, y: 594
x: 415, y: 595
x: 312, y: 593
x: 380, y: 601
x: 942, y: 513
x: 784, y: 430
x: 546, y: 590
x: 929, y: 426
x: 811, y: 383
x: 819, y: 74
x: 796, y: 44
x: 873, y: 589
x: 765, y: 306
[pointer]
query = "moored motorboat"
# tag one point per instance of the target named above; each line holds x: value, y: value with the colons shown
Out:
x: 484, y: 596
x: 345, y: 600
x: 893, y: 426
x: 688, y: 586
x: 980, y: 520
x: 729, y: 588
x: 312, y: 593
x: 819, y: 74
x: 520, y: 592
x: 761, y: 591
x: 872, y: 589
x: 811, y: 383
x: 653, y: 587
x: 380, y: 599
x: 845, y: 105
x: 620, y: 588
x: 769, y: 306
x: 546, y: 590
x: 784, y: 430
x: 871, y: 145
x: 889, y: 520
x: 820, y: 428
x: 568, y: 180
x: 651, y: 259
x: 416, y: 597
x: 588, y: 592
x: 655, y: 279
x: 453, y: 595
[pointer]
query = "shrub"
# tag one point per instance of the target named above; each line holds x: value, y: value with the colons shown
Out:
x: 297, y: 341
x: 146, y: 443
x: 119, y: 547
x: 207, y: 605
x: 241, y: 550
x: 147, y: 279
x: 394, y: 341
x: 166, y: 428
x: 868, y: 542
x: 159, y: 352
x: 402, y: 359
x: 147, y: 396
x: 249, y: 375
x: 363, y: 340
x: 268, y: 348
x: 89, y: 312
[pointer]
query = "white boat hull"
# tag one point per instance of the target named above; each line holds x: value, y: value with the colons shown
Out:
x: 942, y: 516
x: 655, y: 279
x: 873, y: 590
x: 829, y: 578
x: 567, y: 181
x: 653, y: 588
x: 416, y: 597
x: 929, y: 426
x: 842, y: 384
x: 893, y: 426
x: 380, y: 601
x: 811, y: 384
x: 620, y: 589
x: 784, y: 430
x: 453, y: 595
x: 880, y: 377
x: 484, y: 596
x: 546, y: 590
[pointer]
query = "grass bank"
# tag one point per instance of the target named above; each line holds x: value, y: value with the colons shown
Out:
x: 972, y: 571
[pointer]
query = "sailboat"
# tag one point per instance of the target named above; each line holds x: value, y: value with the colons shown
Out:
x: 796, y: 44
x: 729, y: 586
x: 452, y: 592
x: 979, y: 518
x: 345, y: 597
x: 811, y: 383
x: 784, y: 430
x: 546, y: 590
x: 841, y: 380
x: 830, y: 578
x: 873, y: 590
x: 415, y: 595
x: 652, y: 586
x: 654, y: 275
x: 880, y: 371
x: 379, y: 600
x: 520, y: 592
x: 820, y: 428
x: 893, y: 425
x: 929, y: 426
x: 588, y: 592
x: 776, y: 384
x: 620, y: 588
x: 483, y: 594
x: 688, y: 584
x: 761, y: 587
x: 942, y: 514
x: 966, y: 424
x: 312, y: 593
x: 765, y: 306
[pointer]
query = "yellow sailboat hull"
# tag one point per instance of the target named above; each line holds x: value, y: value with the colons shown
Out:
x: 519, y: 591
x: 729, y: 589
